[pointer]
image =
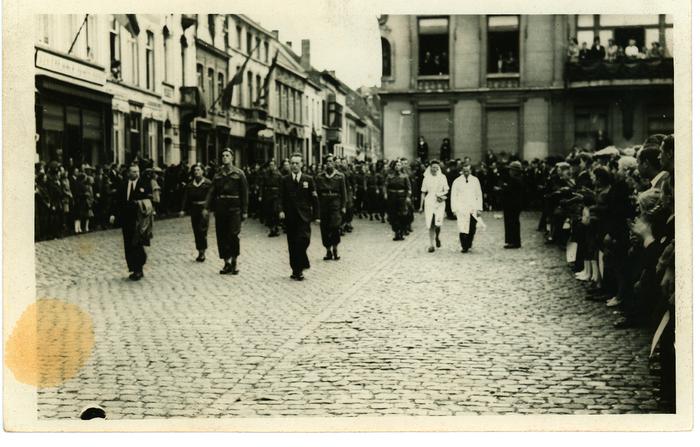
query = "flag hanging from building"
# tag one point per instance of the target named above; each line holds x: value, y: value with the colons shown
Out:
x: 264, y: 92
x: 188, y: 20
x: 129, y: 22
x: 227, y: 95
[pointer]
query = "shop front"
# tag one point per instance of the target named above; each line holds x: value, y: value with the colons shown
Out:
x: 73, y: 123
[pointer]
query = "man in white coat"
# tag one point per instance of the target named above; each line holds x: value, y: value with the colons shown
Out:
x: 467, y: 204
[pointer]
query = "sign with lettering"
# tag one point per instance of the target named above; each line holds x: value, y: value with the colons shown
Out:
x: 69, y: 67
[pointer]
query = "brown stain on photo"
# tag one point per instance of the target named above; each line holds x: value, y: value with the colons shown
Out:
x: 50, y: 343
x: 85, y: 248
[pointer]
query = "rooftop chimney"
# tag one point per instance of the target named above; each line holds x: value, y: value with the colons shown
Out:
x: 276, y: 33
x: 306, y: 54
x: 289, y: 44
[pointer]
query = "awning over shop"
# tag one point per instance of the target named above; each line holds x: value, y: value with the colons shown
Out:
x: 45, y: 83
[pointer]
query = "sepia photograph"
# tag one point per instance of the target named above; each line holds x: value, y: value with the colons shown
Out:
x: 349, y: 214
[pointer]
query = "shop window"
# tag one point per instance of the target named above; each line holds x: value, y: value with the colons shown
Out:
x: 433, y: 46
x: 386, y: 57
x: 150, y: 62
x: 503, y: 44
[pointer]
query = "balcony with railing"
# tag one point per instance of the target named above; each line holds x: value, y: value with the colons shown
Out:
x: 433, y: 83
x: 627, y: 71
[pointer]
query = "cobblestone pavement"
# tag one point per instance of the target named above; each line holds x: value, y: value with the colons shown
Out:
x: 388, y: 329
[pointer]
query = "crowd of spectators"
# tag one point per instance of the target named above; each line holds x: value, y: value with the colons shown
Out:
x: 583, y: 54
x: 612, y: 212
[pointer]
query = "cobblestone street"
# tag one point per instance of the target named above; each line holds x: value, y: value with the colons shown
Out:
x: 388, y: 329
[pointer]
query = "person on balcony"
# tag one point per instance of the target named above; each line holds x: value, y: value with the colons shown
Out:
x: 611, y: 55
x: 597, y: 50
x: 655, y: 51
x: 573, y: 50
x: 632, y: 51
x: 584, y: 56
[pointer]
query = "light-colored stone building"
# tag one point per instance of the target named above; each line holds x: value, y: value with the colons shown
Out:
x: 504, y: 83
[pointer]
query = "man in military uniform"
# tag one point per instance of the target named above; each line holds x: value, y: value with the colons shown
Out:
x: 299, y: 206
x: 270, y: 198
x: 228, y: 198
x: 332, y: 193
x: 397, y: 195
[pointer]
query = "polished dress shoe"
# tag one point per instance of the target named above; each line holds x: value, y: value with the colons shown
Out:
x: 297, y: 276
x: 136, y: 276
x: 328, y: 256
x: 335, y: 255
x: 201, y: 258
x: 228, y: 268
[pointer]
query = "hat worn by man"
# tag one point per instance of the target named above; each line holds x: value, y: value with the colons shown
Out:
x: 515, y: 165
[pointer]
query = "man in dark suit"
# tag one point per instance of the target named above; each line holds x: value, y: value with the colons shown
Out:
x: 513, y: 198
x: 300, y: 205
x: 133, y: 189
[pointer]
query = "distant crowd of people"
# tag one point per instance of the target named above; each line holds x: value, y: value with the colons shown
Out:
x: 582, y: 53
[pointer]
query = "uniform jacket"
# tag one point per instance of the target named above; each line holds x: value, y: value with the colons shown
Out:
x: 332, y: 192
x: 228, y: 192
x: 299, y: 200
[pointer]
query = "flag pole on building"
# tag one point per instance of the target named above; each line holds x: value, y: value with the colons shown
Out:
x: 264, y: 91
x: 227, y: 93
x: 75, y: 39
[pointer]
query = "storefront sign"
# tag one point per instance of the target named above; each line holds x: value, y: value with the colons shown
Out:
x: 69, y: 67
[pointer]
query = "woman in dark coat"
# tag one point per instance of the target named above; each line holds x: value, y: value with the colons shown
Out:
x: 194, y: 202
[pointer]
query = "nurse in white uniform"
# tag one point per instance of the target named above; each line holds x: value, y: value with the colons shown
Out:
x: 434, y: 193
